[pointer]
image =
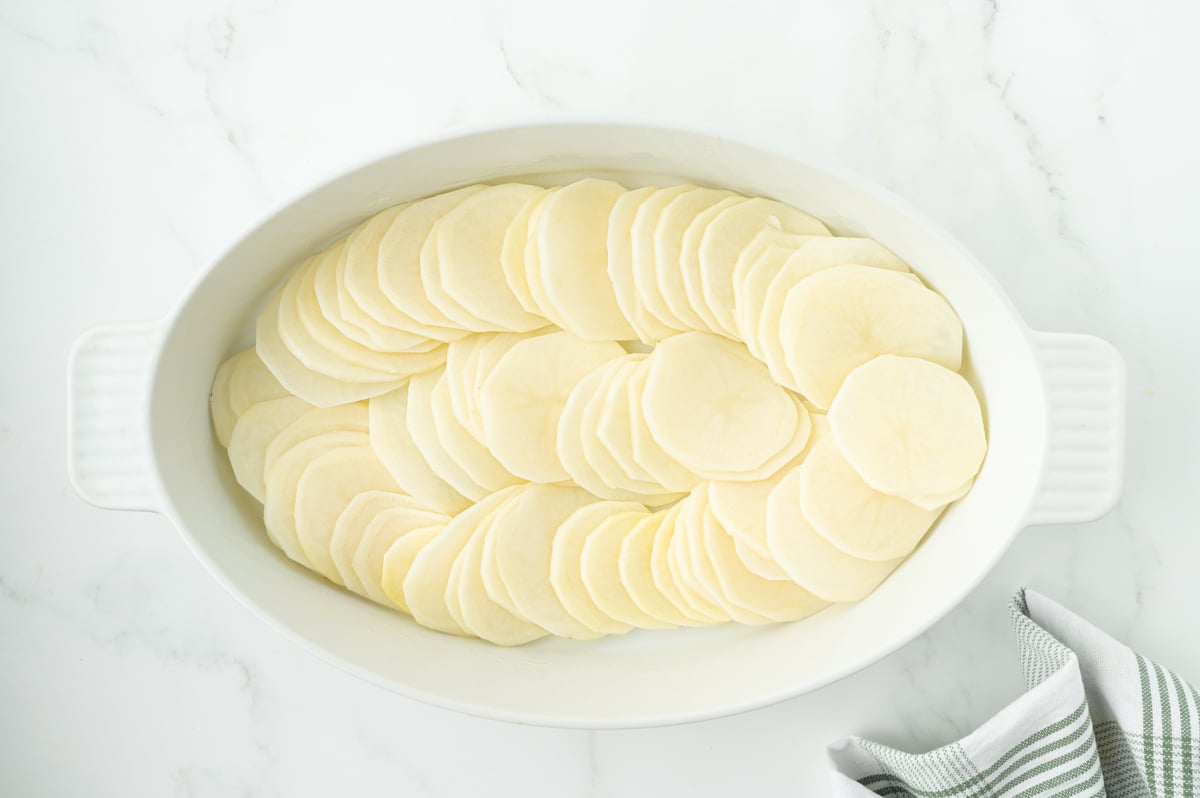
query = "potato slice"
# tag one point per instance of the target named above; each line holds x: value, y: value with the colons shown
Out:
x: 764, y: 256
x: 427, y: 578
x: 317, y: 421
x: 662, y: 468
x: 252, y: 382
x: 422, y: 426
x: 566, y: 564
x: 463, y: 448
x: 852, y: 515
x: 253, y: 433
x: 838, y: 319
x: 693, y: 236
x: 524, y: 395
x: 398, y: 452
x: 601, y: 572
x: 480, y: 615
x: 621, y: 269
x: 328, y: 484
x: 696, y: 584
x: 460, y: 376
x: 809, y: 559
x: 674, y: 220
x: 399, y: 265
x: 645, y: 257
x: 757, y: 561
x: 662, y: 570
x: 936, y: 501
x: 354, y: 535
x: 773, y: 600
x: 480, y: 361
x: 637, y: 575
x: 909, y: 427
x: 512, y: 253
x: 716, y: 410
x: 283, y: 478
x: 312, y: 386
x: 572, y: 261
x: 522, y: 541
x: 727, y: 235
x: 398, y: 560
x: 460, y: 261
x: 223, y: 416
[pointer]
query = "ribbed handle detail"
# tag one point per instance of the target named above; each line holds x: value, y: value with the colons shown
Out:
x: 108, y: 384
x: 1085, y: 387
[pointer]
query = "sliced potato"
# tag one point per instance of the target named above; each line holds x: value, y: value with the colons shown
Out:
x: 522, y: 539
x: 644, y: 253
x: 524, y: 395
x: 398, y: 560
x: 422, y: 426
x: 350, y: 525
x: 572, y: 260
x: 674, y: 220
x: 283, y: 479
x: 480, y: 615
x: 852, y: 515
x: 566, y: 564
x: 460, y: 376
x: 934, y: 501
x: 696, y: 584
x: 620, y: 266
x: 764, y: 256
x: 460, y: 261
x: 809, y: 559
x: 693, y: 237
x: 647, y: 453
x: 252, y: 382
x: 398, y: 452
x: 637, y: 575
x: 482, y: 362
x: 312, y: 386
x: 252, y: 435
x: 223, y: 416
x: 512, y: 253
x: 909, y: 427
x: 317, y: 421
x: 399, y: 264
x: 727, y: 235
x: 366, y: 529
x: 715, y: 409
x: 838, y: 319
x: 662, y: 570
x: 601, y: 571
x: 463, y: 448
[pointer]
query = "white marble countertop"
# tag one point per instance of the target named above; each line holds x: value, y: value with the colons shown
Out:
x: 1054, y: 138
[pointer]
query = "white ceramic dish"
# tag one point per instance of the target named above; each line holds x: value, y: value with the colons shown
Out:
x: 140, y: 439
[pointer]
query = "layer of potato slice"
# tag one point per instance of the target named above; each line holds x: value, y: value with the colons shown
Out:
x: 621, y: 266
x: 252, y: 382
x: 763, y: 258
x: 662, y: 570
x: 572, y: 261
x: 512, y: 252
x: 398, y: 560
x: 524, y: 395
x: 693, y: 237
x: 644, y: 254
x: 637, y: 575
x: 705, y: 568
x: 460, y: 261
x: 316, y: 421
x: 463, y: 448
x: 669, y: 271
x: 480, y: 363
x: 647, y: 453
x: 399, y: 453
x: 601, y: 571
x: 566, y: 564
x: 422, y: 426
x: 219, y: 407
x: 253, y: 434
x: 808, y: 558
x: 696, y: 585
x: 838, y: 319
x: 522, y: 541
x: 909, y: 427
x: 350, y: 536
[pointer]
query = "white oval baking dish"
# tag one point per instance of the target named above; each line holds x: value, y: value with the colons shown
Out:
x: 140, y: 439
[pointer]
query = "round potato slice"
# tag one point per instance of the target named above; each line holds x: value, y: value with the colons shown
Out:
x: 460, y: 376
x: 427, y: 578
x: 637, y: 576
x: 480, y: 615
x: 512, y: 252
x: 378, y: 538
x: 422, y: 426
x: 696, y: 584
x: 328, y: 484
x: 851, y: 514
x: 621, y: 269
x: 645, y: 256
x: 522, y: 539
x: 524, y: 395
x: 398, y: 452
x: 661, y: 467
x: 601, y: 571
x: 398, y: 270
x: 773, y: 600
x: 223, y: 416
x: 312, y: 386
x: 674, y: 220
x: 909, y: 427
x: 693, y: 236
x: 480, y: 363
x: 283, y: 479
x: 728, y: 234
x: 463, y: 448
x: 460, y: 261
x: 357, y: 538
x: 253, y: 433
x: 314, y: 422
x: 398, y: 560
x: 252, y: 382
x: 838, y: 319
x: 715, y: 409
x: 662, y: 570
x: 765, y: 255
x: 572, y: 260
x: 809, y: 559
x: 566, y: 564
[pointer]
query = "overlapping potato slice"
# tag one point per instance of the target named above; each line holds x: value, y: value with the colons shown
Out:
x: 670, y: 275
x: 636, y: 573
x: 566, y: 564
x: 252, y: 382
x: 600, y: 567
x: 621, y: 221
x: 694, y: 576
x: 512, y: 252
x: 662, y: 571
x: 661, y: 468
x: 315, y: 421
x: 398, y: 560
x: 909, y: 427
x: 422, y: 426
x: 219, y: 407
x: 644, y: 260
x: 463, y: 448
x: 364, y: 531
x: 253, y: 434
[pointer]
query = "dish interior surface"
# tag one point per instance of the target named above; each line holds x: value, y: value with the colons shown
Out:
x: 641, y: 678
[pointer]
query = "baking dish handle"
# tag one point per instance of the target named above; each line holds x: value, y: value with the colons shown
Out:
x: 108, y: 389
x: 1085, y: 442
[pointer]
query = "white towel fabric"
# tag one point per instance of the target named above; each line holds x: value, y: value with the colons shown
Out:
x: 1098, y: 719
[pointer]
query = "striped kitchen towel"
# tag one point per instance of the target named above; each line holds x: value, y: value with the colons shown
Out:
x: 1098, y: 719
